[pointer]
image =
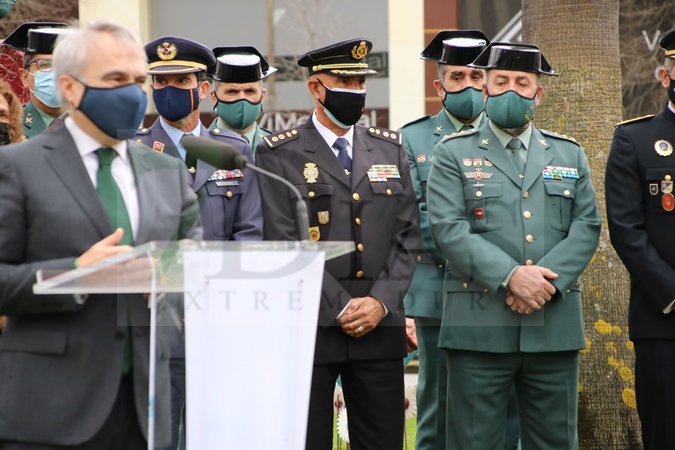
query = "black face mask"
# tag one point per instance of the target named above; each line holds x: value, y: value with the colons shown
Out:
x: 344, y: 106
x: 4, y: 133
x: 671, y: 91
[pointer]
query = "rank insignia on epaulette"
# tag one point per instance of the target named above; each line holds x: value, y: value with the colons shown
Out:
x: 275, y: 139
x: 387, y: 135
x: 558, y: 173
x: 158, y: 147
x: 311, y: 172
x: 446, y: 136
x: 226, y: 175
x: 663, y: 147
x: 421, y: 159
x: 382, y: 172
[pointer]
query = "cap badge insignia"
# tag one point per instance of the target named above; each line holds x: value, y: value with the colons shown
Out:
x: 311, y: 172
x: 166, y: 51
x: 360, y: 51
x: 663, y: 148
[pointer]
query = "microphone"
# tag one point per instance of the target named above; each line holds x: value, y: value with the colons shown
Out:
x: 225, y: 156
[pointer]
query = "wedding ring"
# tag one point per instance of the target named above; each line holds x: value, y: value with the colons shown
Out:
x: 360, y: 330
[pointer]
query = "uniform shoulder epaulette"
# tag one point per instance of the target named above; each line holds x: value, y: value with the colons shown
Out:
x: 265, y: 130
x: 563, y: 137
x: 459, y: 133
x: 419, y: 119
x: 386, y: 134
x: 636, y: 119
x: 276, y: 139
x: 142, y: 131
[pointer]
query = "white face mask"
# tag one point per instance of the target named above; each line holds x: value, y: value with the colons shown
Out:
x: 45, y: 88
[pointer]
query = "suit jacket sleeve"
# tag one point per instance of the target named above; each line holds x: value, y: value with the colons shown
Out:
x: 280, y: 225
x: 17, y: 276
x: 569, y: 257
x: 394, y: 280
x: 627, y: 225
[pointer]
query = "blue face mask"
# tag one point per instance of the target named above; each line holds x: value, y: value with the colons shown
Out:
x: 45, y: 88
x: 510, y: 109
x: 174, y: 103
x: 115, y: 111
x: 239, y: 114
x: 465, y: 104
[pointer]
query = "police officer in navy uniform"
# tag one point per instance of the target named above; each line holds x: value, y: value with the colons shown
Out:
x: 357, y: 186
x: 229, y: 201
x: 238, y: 93
x: 640, y: 215
x: 36, y: 40
x: 460, y: 90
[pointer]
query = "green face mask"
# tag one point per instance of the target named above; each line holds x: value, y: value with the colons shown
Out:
x: 239, y: 114
x: 465, y: 104
x: 510, y: 109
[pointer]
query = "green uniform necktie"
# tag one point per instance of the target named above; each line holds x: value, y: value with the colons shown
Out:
x: 114, y: 206
x: 467, y: 127
x: 514, y: 147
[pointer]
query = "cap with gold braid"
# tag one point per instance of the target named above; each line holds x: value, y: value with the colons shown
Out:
x: 173, y: 55
x: 343, y: 59
x: 667, y: 43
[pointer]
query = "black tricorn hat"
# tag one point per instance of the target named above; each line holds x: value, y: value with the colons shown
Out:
x: 455, y: 47
x: 667, y: 43
x: 508, y: 56
x: 35, y: 37
x: 174, y: 55
x: 342, y: 59
x: 242, y: 64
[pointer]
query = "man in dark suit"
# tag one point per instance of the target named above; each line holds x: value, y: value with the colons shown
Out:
x: 640, y: 204
x: 238, y: 94
x: 229, y: 201
x: 74, y: 372
x: 36, y: 40
x: 356, y: 183
x: 512, y: 208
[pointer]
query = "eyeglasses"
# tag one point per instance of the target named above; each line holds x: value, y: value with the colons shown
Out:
x: 43, y: 65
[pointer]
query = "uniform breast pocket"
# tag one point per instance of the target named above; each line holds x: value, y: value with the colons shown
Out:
x: 660, y: 189
x: 318, y: 199
x: 560, y: 200
x: 482, y: 206
x: 223, y: 203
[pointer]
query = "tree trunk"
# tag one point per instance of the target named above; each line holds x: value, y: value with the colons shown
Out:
x: 580, y: 38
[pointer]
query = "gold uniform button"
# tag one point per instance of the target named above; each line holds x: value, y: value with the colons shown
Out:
x: 357, y: 221
x: 566, y: 192
x: 229, y: 193
x: 567, y: 291
x: 216, y: 130
x: 419, y: 259
x: 465, y: 285
x: 526, y: 194
x: 529, y: 262
x: 479, y: 193
x: 388, y: 191
x: 356, y: 196
x: 359, y: 247
x: 529, y: 238
x: 311, y: 194
x: 577, y: 284
x: 196, y: 195
x: 359, y: 274
x: 527, y: 214
x: 667, y: 177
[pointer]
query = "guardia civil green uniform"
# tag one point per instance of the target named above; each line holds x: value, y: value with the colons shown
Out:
x: 424, y: 300
x: 33, y: 124
x: 239, y: 65
x: 486, y: 219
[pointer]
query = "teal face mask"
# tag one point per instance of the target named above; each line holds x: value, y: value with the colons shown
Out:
x: 465, y: 104
x: 239, y: 114
x: 510, y: 109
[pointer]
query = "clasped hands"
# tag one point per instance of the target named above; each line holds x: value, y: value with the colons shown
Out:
x: 530, y: 288
x: 361, y: 317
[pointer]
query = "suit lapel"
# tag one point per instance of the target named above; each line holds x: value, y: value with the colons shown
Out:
x: 538, y: 158
x: 363, y: 158
x: 146, y: 204
x: 159, y: 135
x: 66, y: 162
x: 323, y: 155
x: 497, y: 154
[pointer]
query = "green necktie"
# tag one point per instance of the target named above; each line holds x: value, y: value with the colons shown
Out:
x: 514, y: 147
x: 113, y: 202
x: 467, y: 127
